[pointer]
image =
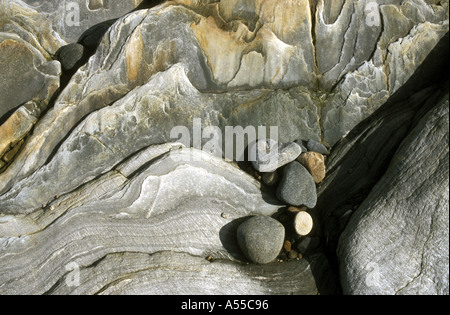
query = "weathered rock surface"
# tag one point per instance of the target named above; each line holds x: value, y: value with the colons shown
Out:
x: 140, y: 221
x: 397, y: 241
x: 73, y: 174
x: 135, y: 273
x: 172, y: 204
x: 25, y: 75
x: 359, y: 161
x: 371, y: 64
x: 53, y: 23
x: 16, y: 128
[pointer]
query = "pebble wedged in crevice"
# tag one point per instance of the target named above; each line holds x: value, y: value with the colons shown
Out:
x: 271, y: 155
x: 315, y: 164
x: 317, y: 147
x: 297, y: 186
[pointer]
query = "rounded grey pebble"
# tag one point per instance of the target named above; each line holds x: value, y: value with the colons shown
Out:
x: 297, y: 187
x: 317, y: 147
x: 70, y: 56
x: 261, y: 239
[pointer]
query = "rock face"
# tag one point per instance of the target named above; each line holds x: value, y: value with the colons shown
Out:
x: 93, y: 183
x: 359, y: 161
x: 25, y: 75
x: 153, y: 210
x: 405, y: 249
x: 316, y: 147
x: 56, y: 22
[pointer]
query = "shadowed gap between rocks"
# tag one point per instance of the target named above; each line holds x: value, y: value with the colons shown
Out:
x: 3, y: 119
x: 228, y: 238
x: 358, y: 161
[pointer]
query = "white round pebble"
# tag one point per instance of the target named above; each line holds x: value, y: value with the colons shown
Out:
x: 303, y: 223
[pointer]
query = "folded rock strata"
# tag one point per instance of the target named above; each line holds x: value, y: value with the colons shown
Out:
x: 169, y: 272
x: 130, y: 55
x: 171, y: 204
x: 315, y: 69
x: 51, y: 23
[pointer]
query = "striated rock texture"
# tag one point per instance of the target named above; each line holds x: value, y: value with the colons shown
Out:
x: 405, y: 249
x: 170, y: 204
x: 91, y: 181
x: 140, y: 222
x: 359, y: 161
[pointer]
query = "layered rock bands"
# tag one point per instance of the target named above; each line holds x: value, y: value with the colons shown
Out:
x: 97, y: 197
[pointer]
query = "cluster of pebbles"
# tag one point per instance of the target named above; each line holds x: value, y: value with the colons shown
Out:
x: 293, y: 170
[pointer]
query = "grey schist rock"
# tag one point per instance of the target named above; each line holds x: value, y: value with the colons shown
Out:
x: 58, y: 21
x: 397, y: 241
x: 70, y: 195
x: 143, y: 218
x: 25, y: 75
x: 359, y: 161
